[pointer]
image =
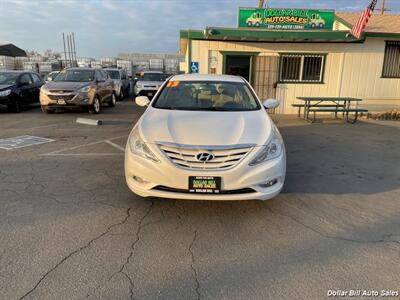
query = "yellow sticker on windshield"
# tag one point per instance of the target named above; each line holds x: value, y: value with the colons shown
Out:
x: 173, y: 84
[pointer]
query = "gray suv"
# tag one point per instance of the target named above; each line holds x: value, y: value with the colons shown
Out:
x: 78, y: 87
x: 122, y: 85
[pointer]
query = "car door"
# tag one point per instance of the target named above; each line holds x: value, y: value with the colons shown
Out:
x: 37, y: 84
x: 25, y: 85
x: 108, y: 85
x: 124, y: 80
x: 100, y: 83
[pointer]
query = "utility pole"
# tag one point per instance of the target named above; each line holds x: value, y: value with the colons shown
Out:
x: 65, y: 52
x: 383, y: 7
x: 260, y: 3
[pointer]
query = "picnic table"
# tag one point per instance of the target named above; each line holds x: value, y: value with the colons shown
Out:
x: 329, y: 104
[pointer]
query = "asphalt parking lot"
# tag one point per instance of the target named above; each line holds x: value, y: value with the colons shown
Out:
x: 71, y: 229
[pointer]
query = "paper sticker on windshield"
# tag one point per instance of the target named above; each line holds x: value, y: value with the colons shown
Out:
x: 173, y: 84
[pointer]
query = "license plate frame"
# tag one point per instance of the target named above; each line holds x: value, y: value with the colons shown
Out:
x: 204, y: 184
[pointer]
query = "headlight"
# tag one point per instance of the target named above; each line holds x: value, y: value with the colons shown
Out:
x: 44, y: 89
x: 270, y: 151
x: 5, y: 93
x: 139, y: 86
x: 84, y: 89
x: 138, y: 147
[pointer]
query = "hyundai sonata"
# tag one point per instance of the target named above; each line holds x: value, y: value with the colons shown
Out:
x: 205, y: 137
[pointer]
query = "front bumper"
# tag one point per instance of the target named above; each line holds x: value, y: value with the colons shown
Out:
x: 241, y: 182
x: 71, y: 100
x: 145, y: 91
x: 5, y: 100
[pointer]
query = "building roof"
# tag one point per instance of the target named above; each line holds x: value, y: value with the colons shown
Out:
x: 11, y: 50
x: 376, y: 24
x: 386, y: 26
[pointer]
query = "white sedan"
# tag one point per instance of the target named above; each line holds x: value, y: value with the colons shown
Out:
x: 205, y: 137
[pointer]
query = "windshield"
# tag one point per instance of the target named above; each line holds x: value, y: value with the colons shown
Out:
x: 52, y: 75
x: 206, y: 95
x: 75, y: 76
x: 113, y: 74
x: 152, y: 77
x: 8, y: 78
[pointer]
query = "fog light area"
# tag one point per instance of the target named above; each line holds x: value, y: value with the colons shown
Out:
x: 140, y: 180
x: 268, y: 183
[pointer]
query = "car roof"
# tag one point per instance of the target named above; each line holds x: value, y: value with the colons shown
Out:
x: 111, y: 69
x: 17, y: 71
x: 80, y: 69
x: 208, y: 77
x: 152, y: 72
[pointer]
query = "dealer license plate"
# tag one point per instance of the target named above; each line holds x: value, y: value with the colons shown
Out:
x: 60, y: 101
x: 204, y: 184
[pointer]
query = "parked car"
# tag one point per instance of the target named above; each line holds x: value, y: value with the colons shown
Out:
x: 148, y: 83
x: 78, y: 87
x: 52, y: 75
x: 18, y: 88
x: 205, y: 137
x: 122, y: 84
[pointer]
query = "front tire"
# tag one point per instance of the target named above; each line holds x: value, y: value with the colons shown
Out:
x: 96, y: 106
x: 113, y: 100
x: 46, y: 110
x: 15, y: 107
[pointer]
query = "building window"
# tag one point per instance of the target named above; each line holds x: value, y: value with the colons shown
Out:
x: 301, y: 68
x: 391, y: 63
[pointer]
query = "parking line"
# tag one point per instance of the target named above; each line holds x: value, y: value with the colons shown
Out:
x: 84, y: 154
x: 58, y: 152
x: 115, y: 145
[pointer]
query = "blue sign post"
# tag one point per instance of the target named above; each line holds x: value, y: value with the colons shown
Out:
x: 194, y: 67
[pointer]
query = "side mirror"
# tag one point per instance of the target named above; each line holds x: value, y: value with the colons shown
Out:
x: 142, y: 101
x: 271, y: 103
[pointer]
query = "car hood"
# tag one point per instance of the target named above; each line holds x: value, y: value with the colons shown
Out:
x: 5, y: 86
x: 205, y: 128
x: 65, y: 85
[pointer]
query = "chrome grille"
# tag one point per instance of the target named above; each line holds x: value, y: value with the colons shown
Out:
x: 185, y: 156
x: 61, y: 91
x: 61, y: 97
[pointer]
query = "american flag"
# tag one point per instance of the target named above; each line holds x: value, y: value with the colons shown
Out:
x: 359, y: 27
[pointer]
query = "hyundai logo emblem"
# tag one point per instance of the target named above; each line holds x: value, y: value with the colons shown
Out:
x: 205, y: 156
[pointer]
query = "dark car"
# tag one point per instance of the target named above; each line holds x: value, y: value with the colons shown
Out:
x: 78, y: 87
x: 19, y: 88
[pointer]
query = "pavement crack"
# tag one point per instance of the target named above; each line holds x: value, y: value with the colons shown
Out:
x: 132, y: 252
x: 87, y: 245
x: 192, y: 266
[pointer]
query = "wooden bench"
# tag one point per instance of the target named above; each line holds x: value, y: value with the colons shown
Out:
x: 338, y: 109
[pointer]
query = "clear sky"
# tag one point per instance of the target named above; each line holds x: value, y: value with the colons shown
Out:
x: 107, y: 27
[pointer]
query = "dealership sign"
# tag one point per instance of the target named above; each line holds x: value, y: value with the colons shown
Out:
x: 286, y: 18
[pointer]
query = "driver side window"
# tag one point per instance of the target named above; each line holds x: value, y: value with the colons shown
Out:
x: 25, y: 80
x: 99, y: 76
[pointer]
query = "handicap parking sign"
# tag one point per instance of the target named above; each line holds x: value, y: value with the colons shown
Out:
x: 194, y: 67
